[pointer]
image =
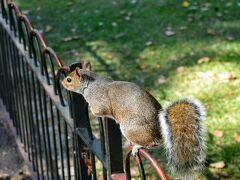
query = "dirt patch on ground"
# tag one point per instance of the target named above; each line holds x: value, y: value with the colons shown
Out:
x: 12, y: 165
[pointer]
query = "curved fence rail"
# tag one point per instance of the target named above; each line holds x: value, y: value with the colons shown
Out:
x: 53, y: 124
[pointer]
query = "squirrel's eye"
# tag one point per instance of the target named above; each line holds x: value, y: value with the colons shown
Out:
x: 69, y: 80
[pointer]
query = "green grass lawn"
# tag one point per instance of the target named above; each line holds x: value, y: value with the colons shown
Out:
x: 157, y: 44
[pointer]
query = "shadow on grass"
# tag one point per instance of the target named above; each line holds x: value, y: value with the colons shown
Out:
x: 229, y: 153
x: 130, y: 28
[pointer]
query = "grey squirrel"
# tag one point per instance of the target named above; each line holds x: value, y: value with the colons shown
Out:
x: 142, y: 120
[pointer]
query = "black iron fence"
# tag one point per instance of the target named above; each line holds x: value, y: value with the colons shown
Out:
x: 53, y: 124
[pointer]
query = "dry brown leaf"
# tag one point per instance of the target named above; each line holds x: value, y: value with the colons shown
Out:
x: 229, y: 38
x: 203, y: 59
x: 158, y: 65
x: 162, y: 79
x: 180, y: 69
x: 149, y: 43
x: 227, y: 76
x: 70, y: 38
x: 218, y: 165
x: 48, y: 28
x: 183, y: 28
x: 73, y: 29
x: 119, y: 35
x: 219, y: 14
x: 114, y: 24
x: 170, y: 32
x: 69, y: 3
x: 127, y: 18
x: 144, y: 66
x: 237, y: 138
x: 217, y: 133
x: 211, y: 32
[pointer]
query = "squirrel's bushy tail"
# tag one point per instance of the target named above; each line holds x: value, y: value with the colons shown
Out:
x: 184, y: 135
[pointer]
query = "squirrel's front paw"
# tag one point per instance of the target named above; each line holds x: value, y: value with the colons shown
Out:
x: 135, y: 149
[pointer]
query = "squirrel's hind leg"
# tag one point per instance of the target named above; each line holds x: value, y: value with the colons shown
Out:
x: 135, y: 149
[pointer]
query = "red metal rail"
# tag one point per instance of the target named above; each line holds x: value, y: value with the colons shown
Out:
x: 138, y: 160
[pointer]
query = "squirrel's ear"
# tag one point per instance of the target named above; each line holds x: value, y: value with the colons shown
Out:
x: 87, y: 65
x: 79, y: 74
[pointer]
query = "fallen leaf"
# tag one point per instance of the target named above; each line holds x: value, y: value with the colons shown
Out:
x: 144, y: 66
x: 211, y: 32
x: 229, y: 38
x: 170, y: 32
x: 127, y: 18
x: 122, y: 12
x: 133, y: 1
x: 228, y: 4
x: 237, y: 138
x: 205, y: 75
x: 183, y: 28
x: 219, y: 14
x: 218, y: 143
x: 70, y: 38
x: 185, y: 4
x: 119, y: 35
x: 158, y: 65
x: 193, y: 8
x: 162, y: 79
x: 163, y: 45
x: 217, y: 133
x: 73, y: 29
x: 203, y: 59
x: 218, y: 165
x: 96, y: 11
x: 227, y: 76
x: 190, y: 19
x: 149, y: 43
x: 48, y: 28
x: 114, y: 24
x: 203, y: 9
x: 69, y: 3
x: 180, y: 69
x: 192, y: 53
x: 114, y: 2
x: 100, y: 23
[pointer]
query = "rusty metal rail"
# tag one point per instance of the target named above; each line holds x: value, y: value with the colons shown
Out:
x: 53, y: 124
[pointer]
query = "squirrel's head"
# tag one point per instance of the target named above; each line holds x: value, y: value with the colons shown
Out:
x: 79, y: 79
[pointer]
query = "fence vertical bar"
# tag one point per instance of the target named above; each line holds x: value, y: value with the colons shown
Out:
x: 60, y: 143
x: 37, y: 122
x: 79, y: 116
x: 113, y: 148
x: 102, y: 134
x: 47, y: 133
x: 43, y: 128
x: 56, y: 176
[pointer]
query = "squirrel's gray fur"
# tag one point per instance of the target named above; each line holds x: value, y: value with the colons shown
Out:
x: 143, y: 121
